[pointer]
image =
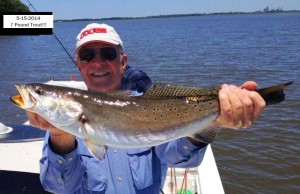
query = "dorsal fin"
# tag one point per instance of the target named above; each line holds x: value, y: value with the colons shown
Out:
x: 165, y: 90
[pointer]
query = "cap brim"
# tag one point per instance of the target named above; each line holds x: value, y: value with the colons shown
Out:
x: 100, y: 41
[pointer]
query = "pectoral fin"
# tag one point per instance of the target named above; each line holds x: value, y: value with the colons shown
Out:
x: 97, y: 150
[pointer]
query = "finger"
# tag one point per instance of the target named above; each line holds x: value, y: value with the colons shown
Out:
x: 249, y: 85
x: 237, y: 109
x: 43, y: 124
x: 225, y: 118
x: 37, y: 121
x: 247, y: 108
x: 32, y: 117
x: 258, y: 104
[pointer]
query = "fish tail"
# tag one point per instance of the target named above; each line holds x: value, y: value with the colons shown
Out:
x: 207, y: 134
x: 274, y: 94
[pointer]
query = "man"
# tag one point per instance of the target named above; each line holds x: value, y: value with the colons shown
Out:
x: 68, y: 167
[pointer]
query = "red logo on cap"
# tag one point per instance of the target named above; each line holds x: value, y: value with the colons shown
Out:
x: 92, y: 31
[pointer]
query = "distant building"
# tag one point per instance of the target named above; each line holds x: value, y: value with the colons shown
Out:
x: 266, y: 9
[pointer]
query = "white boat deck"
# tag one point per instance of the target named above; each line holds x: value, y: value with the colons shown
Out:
x: 22, y: 157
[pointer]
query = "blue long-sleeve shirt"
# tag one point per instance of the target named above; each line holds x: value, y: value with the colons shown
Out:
x: 124, y: 171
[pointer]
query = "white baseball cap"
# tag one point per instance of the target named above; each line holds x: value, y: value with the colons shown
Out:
x: 97, y: 33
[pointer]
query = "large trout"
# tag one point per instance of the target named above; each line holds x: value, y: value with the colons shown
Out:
x: 119, y: 119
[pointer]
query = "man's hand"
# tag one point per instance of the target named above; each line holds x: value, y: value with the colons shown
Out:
x: 239, y: 106
x: 60, y: 142
x: 39, y: 122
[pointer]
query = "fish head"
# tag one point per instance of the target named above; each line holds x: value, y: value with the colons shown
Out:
x: 49, y: 102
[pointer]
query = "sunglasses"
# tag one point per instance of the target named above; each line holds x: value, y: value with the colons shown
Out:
x: 88, y: 54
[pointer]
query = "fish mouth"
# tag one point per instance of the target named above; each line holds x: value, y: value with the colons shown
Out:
x: 24, y: 99
x: 18, y: 101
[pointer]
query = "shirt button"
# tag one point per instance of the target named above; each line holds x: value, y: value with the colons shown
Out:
x: 70, y: 159
x: 115, y: 151
x: 59, y: 180
x: 185, y: 147
x: 60, y: 161
x: 119, y: 178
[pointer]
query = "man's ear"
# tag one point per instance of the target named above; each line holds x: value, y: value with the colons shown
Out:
x: 124, y: 60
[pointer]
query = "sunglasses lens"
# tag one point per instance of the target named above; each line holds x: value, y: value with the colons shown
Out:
x: 108, y: 53
x: 86, y: 55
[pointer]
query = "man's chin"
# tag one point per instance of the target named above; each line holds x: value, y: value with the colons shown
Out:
x: 100, y: 86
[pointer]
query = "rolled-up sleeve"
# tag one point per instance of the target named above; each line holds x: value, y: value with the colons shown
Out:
x: 60, y: 173
x: 181, y: 153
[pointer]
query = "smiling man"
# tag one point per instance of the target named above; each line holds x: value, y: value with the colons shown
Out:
x: 100, y: 57
x: 68, y: 167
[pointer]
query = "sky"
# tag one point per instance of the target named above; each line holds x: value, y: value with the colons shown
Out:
x: 78, y: 9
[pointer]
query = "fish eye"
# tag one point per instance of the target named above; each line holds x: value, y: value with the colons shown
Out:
x: 39, y: 91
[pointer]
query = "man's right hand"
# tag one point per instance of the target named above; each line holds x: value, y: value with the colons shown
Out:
x: 60, y: 142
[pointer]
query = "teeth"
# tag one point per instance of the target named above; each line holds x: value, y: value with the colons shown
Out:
x: 100, y: 74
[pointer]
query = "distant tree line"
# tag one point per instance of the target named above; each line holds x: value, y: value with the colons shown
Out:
x: 13, y: 6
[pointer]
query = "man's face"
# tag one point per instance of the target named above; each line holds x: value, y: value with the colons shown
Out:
x: 98, y: 72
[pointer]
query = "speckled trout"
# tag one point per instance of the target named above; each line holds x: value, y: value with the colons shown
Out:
x: 126, y: 120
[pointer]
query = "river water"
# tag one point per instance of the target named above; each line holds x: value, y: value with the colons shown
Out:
x: 203, y: 51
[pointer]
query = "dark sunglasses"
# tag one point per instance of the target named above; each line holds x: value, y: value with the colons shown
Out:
x: 87, y: 54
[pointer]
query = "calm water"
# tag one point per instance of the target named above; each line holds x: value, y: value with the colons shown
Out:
x: 204, y: 51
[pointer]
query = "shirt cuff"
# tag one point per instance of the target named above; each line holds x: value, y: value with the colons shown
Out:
x: 61, y: 161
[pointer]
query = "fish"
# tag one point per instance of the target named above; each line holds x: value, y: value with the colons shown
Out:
x: 127, y: 119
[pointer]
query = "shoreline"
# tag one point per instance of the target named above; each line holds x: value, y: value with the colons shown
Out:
x: 176, y: 15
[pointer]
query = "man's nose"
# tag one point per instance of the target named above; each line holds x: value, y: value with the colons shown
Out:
x: 98, y: 58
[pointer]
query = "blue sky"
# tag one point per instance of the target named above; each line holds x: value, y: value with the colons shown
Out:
x: 76, y: 9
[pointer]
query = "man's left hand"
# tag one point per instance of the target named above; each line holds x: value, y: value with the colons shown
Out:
x: 239, y: 106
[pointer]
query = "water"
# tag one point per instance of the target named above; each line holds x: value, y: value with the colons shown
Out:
x: 204, y: 51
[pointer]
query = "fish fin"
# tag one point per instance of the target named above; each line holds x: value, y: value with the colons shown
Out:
x: 123, y: 93
x: 97, y: 150
x: 167, y: 91
x: 208, y: 134
x: 274, y: 94
x: 84, y: 125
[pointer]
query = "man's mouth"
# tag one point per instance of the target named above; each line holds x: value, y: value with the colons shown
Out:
x: 100, y: 74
